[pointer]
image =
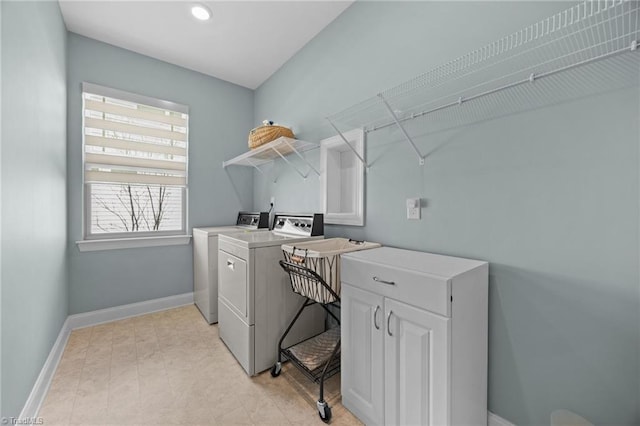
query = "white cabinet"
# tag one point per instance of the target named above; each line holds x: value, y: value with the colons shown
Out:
x: 414, y: 338
x: 416, y: 366
x: 362, y: 353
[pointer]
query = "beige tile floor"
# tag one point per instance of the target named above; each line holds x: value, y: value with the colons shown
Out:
x: 170, y: 368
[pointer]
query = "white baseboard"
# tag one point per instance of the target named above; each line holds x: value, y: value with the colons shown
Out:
x: 101, y: 316
x: 495, y: 420
x: 40, y: 388
x: 88, y: 319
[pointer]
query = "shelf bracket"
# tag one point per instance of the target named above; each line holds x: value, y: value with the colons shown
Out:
x: 255, y: 166
x: 348, y: 143
x: 301, y: 157
x: 289, y: 163
x: 406, y: 135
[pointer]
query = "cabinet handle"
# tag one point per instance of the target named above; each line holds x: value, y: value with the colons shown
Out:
x: 230, y: 264
x: 378, y: 280
x: 388, y: 323
x: 375, y: 315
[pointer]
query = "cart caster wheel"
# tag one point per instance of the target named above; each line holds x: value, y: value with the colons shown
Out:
x: 276, y: 369
x: 324, y: 411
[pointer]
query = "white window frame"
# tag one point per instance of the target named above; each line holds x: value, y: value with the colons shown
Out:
x: 118, y: 240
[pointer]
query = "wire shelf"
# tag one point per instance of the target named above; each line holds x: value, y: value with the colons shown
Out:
x: 278, y: 148
x: 587, y: 49
x: 270, y: 151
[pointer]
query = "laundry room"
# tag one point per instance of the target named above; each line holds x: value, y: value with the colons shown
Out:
x: 320, y: 212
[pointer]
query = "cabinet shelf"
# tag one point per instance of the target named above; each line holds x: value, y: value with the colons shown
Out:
x: 278, y: 148
x: 587, y: 49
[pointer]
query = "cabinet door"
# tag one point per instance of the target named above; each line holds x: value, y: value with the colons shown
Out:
x: 362, y: 354
x: 416, y: 366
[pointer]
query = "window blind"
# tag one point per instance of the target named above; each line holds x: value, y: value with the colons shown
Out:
x: 135, y: 155
x: 134, y: 140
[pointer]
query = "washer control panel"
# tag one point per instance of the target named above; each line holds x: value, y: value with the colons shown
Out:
x: 299, y: 224
x: 253, y: 220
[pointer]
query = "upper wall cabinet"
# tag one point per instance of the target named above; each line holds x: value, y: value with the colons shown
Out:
x: 342, y: 176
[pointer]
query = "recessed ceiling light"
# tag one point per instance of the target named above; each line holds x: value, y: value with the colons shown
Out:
x: 201, y: 12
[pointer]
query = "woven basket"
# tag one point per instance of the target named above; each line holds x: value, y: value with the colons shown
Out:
x: 265, y: 134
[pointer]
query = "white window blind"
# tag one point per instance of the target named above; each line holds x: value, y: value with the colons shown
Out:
x: 135, y: 163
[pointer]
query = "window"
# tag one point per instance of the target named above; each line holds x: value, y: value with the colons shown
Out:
x: 135, y: 165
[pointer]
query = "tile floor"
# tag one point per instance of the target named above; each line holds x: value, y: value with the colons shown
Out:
x: 170, y: 368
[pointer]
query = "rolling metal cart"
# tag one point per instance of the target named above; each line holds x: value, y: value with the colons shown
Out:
x: 314, y: 273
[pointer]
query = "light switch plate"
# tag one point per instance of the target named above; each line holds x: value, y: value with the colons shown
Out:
x: 413, y: 208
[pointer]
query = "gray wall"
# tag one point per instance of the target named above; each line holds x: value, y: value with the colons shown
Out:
x: 220, y: 114
x: 34, y: 202
x: 549, y: 197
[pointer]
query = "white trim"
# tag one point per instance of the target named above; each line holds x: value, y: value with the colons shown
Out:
x: 41, y: 386
x: 495, y: 420
x: 101, y: 316
x: 336, y: 143
x: 87, y: 319
x: 123, y: 243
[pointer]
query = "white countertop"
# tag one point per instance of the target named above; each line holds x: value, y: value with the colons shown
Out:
x: 427, y: 263
x: 231, y: 229
x: 263, y: 239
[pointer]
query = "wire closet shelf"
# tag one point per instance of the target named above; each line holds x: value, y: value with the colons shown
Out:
x: 281, y: 147
x: 588, y: 49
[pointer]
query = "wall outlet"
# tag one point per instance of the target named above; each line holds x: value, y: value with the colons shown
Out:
x: 413, y: 208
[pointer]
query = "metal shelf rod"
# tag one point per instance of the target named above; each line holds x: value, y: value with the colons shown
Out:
x: 347, y: 142
x: 254, y: 166
x: 289, y: 163
x: 302, y: 157
x: 406, y: 135
x: 530, y: 79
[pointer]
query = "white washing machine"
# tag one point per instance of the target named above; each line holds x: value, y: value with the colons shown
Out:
x: 255, y: 300
x: 205, y: 259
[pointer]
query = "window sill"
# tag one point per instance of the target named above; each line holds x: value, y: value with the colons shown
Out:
x: 125, y: 243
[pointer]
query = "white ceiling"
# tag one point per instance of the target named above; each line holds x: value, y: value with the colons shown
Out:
x: 244, y: 42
